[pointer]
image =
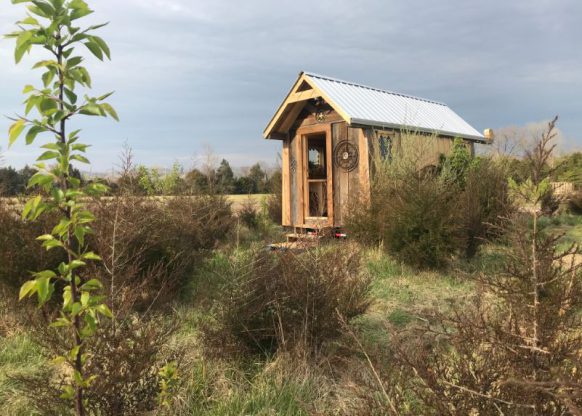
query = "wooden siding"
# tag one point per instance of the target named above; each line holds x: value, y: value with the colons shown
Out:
x: 429, y: 148
x: 308, y: 116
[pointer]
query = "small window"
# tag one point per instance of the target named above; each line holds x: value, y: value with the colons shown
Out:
x: 316, y: 158
x: 385, y: 147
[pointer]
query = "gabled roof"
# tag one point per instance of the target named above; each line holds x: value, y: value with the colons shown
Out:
x: 361, y: 105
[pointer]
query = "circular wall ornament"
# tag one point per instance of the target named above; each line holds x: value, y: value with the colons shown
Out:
x: 320, y: 116
x: 346, y: 155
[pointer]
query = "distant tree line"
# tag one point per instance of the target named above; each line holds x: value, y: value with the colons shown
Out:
x: 142, y: 180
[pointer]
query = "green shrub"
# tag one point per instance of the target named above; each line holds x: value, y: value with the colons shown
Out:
x: 248, y: 214
x: 20, y: 252
x: 413, y: 215
x: 575, y: 203
x: 288, y: 301
x: 424, y: 217
x: 151, y: 248
x: 484, y: 205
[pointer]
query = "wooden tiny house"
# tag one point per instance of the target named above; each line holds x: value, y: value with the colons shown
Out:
x: 328, y: 127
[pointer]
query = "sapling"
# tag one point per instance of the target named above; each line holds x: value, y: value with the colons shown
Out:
x: 52, y: 25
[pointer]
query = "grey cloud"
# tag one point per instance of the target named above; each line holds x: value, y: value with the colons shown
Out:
x: 193, y: 72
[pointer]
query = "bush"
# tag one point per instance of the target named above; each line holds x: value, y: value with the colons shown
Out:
x: 288, y: 301
x: 126, y: 355
x: 248, y: 214
x: 424, y: 217
x: 150, y: 248
x: 575, y: 203
x: 20, y: 252
x: 484, y: 205
x: 274, y: 208
x: 412, y: 212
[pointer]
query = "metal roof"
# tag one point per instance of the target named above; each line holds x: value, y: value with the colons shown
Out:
x: 375, y: 107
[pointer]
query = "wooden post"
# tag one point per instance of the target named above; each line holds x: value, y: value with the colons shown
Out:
x: 286, y: 186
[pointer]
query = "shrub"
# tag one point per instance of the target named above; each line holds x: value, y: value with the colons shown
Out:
x: 126, y: 355
x: 411, y: 212
x: 514, y: 347
x: 484, y: 205
x: 575, y: 203
x: 248, y: 214
x: 20, y: 252
x: 288, y: 301
x: 274, y: 208
x: 150, y: 248
x: 424, y: 217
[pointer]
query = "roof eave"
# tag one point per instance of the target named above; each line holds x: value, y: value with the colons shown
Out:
x: 381, y: 124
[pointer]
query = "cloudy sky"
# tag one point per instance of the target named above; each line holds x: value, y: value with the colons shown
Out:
x: 189, y: 74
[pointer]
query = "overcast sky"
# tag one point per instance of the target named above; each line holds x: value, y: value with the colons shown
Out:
x: 190, y: 74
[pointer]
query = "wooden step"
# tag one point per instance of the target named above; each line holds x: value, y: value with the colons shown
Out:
x: 302, y: 237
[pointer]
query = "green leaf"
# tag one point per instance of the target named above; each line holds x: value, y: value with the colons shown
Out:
x: 48, y: 77
x: 74, y: 61
x: 31, y: 21
x: 43, y: 289
x: 19, y: 52
x: 104, y: 310
x: 45, y: 237
x: 27, y: 89
x: 48, y: 106
x: 85, y: 296
x: 95, y: 49
x: 76, y: 308
x: 44, y: 64
x: 30, y: 205
x: 60, y: 360
x: 80, y: 9
x: 15, y: 131
x: 92, y: 110
x: 80, y: 235
x: 92, y: 284
x: 67, y: 298
x: 60, y: 322
x: 48, y: 274
x: 80, y: 147
x: 68, y: 393
x: 27, y: 289
x: 80, y: 158
x: 110, y: 110
x: 48, y: 155
x: 40, y: 178
x: 33, y: 132
x: 49, y: 245
x: 105, y: 96
x: 85, y: 76
x: 32, y: 101
x: 102, y: 45
x: 46, y: 8
x: 23, y: 39
x: 75, y: 264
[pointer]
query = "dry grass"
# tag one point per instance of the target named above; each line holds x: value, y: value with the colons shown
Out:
x: 237, y: 201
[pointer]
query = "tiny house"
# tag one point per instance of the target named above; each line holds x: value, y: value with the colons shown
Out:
x: 329, y: 128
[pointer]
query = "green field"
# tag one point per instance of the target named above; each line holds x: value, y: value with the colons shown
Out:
x: 278, y: 385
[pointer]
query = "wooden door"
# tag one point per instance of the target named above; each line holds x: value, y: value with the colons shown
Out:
x: 317, y: 176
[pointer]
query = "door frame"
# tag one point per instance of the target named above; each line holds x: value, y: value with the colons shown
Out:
x: 303, y: 133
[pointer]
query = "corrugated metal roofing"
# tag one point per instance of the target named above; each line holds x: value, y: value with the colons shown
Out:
x: 374, y: 107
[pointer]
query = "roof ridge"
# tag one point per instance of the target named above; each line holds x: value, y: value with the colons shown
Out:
x: 355, y: 84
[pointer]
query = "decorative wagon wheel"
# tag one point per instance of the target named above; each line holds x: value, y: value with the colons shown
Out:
x: 346, y: 155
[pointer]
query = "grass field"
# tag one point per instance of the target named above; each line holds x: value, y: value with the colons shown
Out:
x: 275, y: 387
x: 237, y: 200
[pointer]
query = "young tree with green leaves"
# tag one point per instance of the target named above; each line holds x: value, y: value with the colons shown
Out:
x: 52, y: 25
